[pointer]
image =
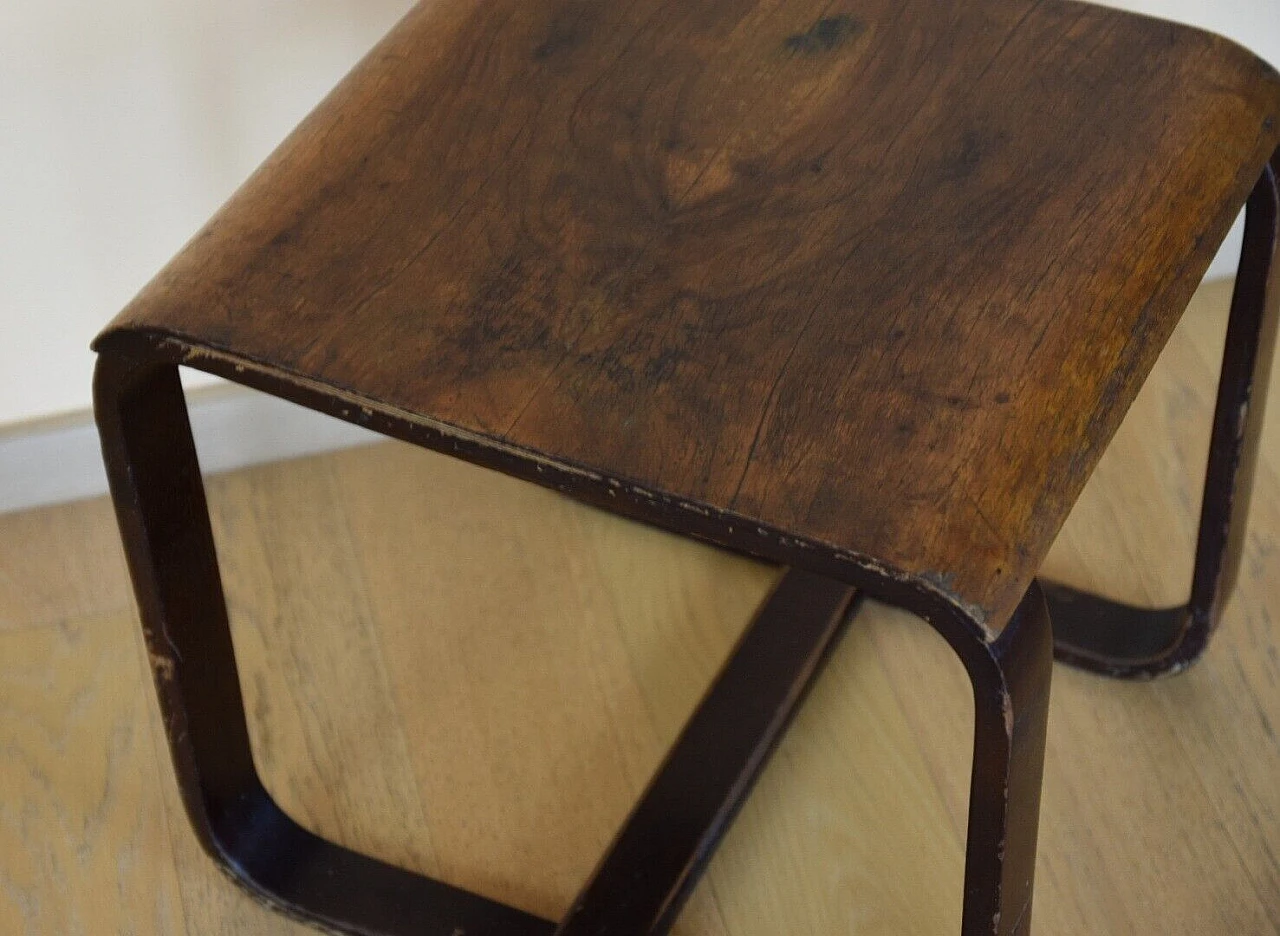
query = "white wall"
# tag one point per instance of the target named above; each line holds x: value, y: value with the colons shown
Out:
x: 125, y: 123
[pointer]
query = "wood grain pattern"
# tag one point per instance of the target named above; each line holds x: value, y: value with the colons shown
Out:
x: 879, y: 278
x: 60, y: 563
x: 1160, y: 815
x: 288, y: 599
x: 83, y: 836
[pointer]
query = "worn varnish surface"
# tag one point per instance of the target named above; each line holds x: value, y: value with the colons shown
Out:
x: 884, y: 276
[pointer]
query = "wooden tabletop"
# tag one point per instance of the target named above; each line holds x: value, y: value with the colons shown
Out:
x: 873, y: 282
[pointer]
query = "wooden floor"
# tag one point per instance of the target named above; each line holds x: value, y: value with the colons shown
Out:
x: 473, y: 677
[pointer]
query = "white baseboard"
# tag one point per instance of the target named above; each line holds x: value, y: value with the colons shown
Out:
x: 59, y: 460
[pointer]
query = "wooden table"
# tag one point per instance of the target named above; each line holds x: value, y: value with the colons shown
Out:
x: 862, y: 289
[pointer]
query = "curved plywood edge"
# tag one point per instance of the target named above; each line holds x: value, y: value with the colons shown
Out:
x: 879, y: 276
x: 961, y: 625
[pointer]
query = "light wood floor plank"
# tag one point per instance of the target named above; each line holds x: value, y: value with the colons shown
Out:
x: 530, y: 731
x: 83, y: 846
x: 60, y: 563
x: 326, y: 733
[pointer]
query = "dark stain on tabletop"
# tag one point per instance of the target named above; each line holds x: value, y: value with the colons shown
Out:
x: 824, y: 35
x: 567, y: 31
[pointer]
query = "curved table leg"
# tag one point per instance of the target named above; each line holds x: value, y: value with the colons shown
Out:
x: 659, y: 853
x: 1121, y: 640
x: 160, y: 504
x: 1011, y: 679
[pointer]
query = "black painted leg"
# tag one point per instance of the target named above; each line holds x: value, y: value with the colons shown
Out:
x: 662, y: 850
x: 656, y: 858
x: 160, y: 504
x: 1121, y: 640
x: 1011, y: 709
